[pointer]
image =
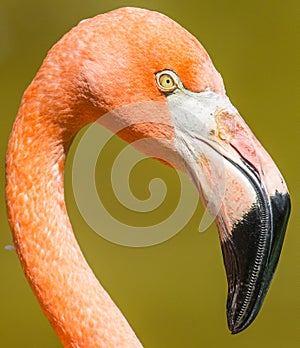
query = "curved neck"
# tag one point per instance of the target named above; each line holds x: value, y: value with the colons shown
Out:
x: 79, y: 309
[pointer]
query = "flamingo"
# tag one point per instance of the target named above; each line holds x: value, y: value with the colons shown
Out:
x: 133, y: 56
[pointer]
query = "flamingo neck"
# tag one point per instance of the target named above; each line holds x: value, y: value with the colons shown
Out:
x: 79, y: 309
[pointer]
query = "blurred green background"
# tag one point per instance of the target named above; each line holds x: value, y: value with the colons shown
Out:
x: 173, y: 294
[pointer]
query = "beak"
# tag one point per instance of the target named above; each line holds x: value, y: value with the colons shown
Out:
x: 242, y: 189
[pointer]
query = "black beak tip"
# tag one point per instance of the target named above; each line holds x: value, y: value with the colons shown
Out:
x: 232, y: 326
x: 245, y: 295
x: 236, y: 331
x: 235, y: 325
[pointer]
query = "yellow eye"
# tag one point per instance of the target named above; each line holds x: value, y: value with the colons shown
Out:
x: 166, y: 82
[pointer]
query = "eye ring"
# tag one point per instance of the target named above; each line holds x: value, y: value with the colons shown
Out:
x: 167, y: 81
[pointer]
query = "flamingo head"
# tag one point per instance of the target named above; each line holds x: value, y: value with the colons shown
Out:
x: 145, y: 77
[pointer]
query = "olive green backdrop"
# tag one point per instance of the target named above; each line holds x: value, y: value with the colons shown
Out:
x: 173, y: 294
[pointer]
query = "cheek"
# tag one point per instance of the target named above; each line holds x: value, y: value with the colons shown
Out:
x: 147, y: 126
x: 138, y: 93
x: 150, y: 119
